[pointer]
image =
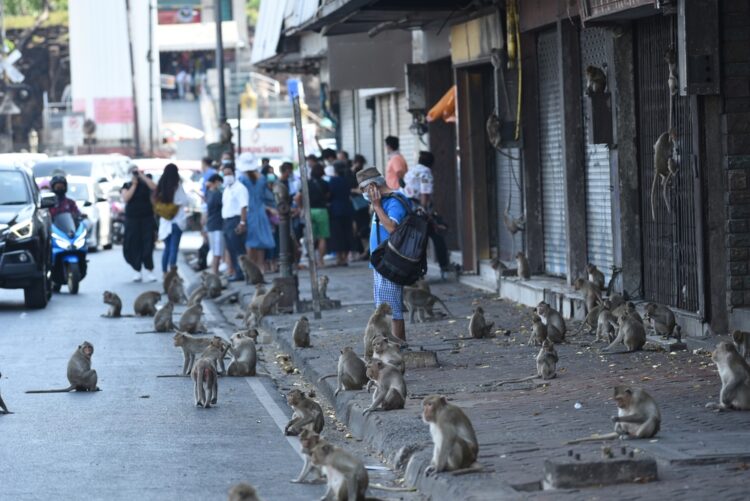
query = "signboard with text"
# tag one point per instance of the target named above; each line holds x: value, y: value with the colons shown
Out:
x: 72, y: 128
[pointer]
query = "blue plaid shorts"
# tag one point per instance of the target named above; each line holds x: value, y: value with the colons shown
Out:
x: 386, y: 291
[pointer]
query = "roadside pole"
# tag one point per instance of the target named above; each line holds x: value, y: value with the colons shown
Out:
x: 312, y: 265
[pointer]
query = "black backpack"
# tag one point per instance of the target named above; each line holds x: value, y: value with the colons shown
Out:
x: 402, y: 258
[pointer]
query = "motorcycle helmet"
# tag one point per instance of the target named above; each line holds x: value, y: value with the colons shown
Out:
x: 58, y: 179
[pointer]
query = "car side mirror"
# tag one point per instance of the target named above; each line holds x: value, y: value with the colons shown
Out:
x: 87, y: 203
x: 101, y: 199
x: 48, y: 200
x: 103, y: 180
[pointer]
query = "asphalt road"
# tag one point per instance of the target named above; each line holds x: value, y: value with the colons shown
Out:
x: 141, y: 437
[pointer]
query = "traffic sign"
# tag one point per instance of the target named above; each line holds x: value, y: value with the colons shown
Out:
x: 73, y: 129
x: 6, y: 66
x: 8, y: 107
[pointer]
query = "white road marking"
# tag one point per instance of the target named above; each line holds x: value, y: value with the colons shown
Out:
x: 274, y: 411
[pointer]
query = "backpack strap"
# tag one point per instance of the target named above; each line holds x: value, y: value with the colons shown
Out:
x: 402, y: 201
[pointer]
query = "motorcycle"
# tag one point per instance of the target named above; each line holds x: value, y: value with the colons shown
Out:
x: 118, y: 221
x: 68, y: 252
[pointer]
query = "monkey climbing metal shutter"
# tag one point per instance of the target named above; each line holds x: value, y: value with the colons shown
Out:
x: 670, y: 257
x: 509, y: 186
x: 596, y: 49
x: 550, y: 145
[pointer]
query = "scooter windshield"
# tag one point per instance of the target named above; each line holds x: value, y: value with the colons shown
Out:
x: 65, y: 223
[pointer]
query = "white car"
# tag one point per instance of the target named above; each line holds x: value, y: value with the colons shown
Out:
x: 92, y: 202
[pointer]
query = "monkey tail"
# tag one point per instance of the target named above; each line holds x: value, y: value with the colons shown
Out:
x: 593, y: 438
x: 381, y: 487
x: 320, y: 379
x: 61, y: 390
x: 529, y: 378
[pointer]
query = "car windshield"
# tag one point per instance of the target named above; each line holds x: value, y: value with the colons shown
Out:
x: 52, y: 167
x: 13, y: 190
x: 78, y: 192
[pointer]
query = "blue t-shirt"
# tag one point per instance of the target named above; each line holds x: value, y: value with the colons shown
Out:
x: 395, y: 211
x: 206, y: 176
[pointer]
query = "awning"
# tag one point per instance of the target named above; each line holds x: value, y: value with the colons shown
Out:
x: 445, y: 108
x: 268, y: 31
x: 195, y: 36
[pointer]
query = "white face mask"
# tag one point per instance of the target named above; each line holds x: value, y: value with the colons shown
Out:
x: 367, y: 196
x: 229, y: 180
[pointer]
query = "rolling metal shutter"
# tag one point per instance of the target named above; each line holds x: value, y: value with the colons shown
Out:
x: 670, y: 257
x: 509, y: 186
x: 408, y: 142
x: 597, y: 50
x: 365, y: 131
x: 346, y: 120
x: 550, y: 145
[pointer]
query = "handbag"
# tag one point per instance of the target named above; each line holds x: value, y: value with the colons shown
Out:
x: 166, y: 210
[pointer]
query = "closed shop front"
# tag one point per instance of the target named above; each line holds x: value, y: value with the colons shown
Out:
x: 365, y: 130
x: 346, y: 120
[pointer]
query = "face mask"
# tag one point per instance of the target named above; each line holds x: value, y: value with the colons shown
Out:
x: 226, y: 162
x: 60, y: 192
x: 229, y: 180
x: 271, y: 178
x: 367, y: 197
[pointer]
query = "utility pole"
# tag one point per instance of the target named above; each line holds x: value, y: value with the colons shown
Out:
x: 220, y: 62
x: 136, y: 129
x: 150, y: 60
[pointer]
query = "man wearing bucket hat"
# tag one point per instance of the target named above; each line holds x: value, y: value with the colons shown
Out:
x: 389, y: 212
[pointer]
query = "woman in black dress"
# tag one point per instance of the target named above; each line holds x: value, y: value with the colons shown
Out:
x: 140, y: 226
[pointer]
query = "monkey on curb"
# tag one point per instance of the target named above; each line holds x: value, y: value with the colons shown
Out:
x: 244, y: 355
x: 378, y: 324
x: 554, y: 322
x: 351, y: 373
x: 243, y: 492
x: 741, y: 341
x: 390, y: 387
x: 308, y: 440
x: 662, y: 319
x: 301, y: 333
x: 538, y: 331
x: 346, y: 475
x: 3, y: 407
x: 455, y: 442
x: 421, y: 303
x: 596, y: 80
x: 595, y: 276
x: 323, y: 287
x: 212, y: 283
x: 145, y: 304
x: 478, y: 326
x: 190, y: 321
x: 546, y: 365
x: 253, y: 275
x: 734, y: 372
x: 206, y: 382
x: 388, y: 353
x: 523, y: 269
x: 308, y: 414
x: 631, y: 333
x: 590, y: 291
x: 80, y: 374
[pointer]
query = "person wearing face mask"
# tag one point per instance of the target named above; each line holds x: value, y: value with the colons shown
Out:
x: 138, y: 241
x: 234, y: 201
x: 59, y: 186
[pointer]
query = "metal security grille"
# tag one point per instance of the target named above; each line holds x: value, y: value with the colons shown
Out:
x: 509, y: 186
x: 550, y: 146
x: 346, y: 120
x: 409, y: 144
x: 670, y: 266
x: 597, y: 50
x: 365, y: 131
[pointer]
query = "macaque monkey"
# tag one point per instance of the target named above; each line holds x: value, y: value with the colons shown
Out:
x: 145, y: 304
x: 308, y: 414
x: 499, y: 268
x: 352, y: 372
x: 421, y: 303
x: 191, y: 347
x: 243, y: 492
x: 638, y: 416
x: 478, y: 326
x: 671, y: 60
x: 592, y: 317
x: 3, y: 407
x: 455, y: 442
x: 378, y: 324
x: 590, y: 292
x: 390, y: 387
x: 254, y: 305
x: 662, y: 154
x: 605, y: 327
x: 554, y: 322
x: 308, y: 440
x: 595, y: 276
x: 596, y: 80
x: 176, y: 292
x: 206, y: 382
x: 244, y: 355
x: 163, y: 318
x: 523, y: 269
x: 538, y: 331
x: 546, y: 364
x: 513, y: 225
x: 662, y: 319
x: 115, y: 305
x: 631, y: 333
x: 301, y: 333
x: 253, y: 275
x: 197, y: 296
x: 741, y: 341
x: 168, y: 277
x: 323, y: 287
x: 627, y: 309
x: 346, y: 475
x: 80, y: 374
x: 216, y: 350
x: 735, y: 379
x: 615, y: 300
x: 264, y: 304
x: 388, y: 353
x: 212, y: 283
x: 190, y: 321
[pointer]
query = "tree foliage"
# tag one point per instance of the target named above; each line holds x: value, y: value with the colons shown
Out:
x: 32, y: 7
x: 252, y: 7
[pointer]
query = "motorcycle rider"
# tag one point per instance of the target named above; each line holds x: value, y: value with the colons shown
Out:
x: 59, y: 186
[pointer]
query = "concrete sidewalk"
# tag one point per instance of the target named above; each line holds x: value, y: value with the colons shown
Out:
x: 700, y: 453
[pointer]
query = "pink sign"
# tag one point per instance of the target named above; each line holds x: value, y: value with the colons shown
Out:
x: 113, y: 110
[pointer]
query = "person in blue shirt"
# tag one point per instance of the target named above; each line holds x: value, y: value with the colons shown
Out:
x: 388, y: 214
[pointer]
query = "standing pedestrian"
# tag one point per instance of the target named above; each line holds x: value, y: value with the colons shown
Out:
x: 170, y: 203
x: 319, y: 194
x: 340, y: 211
x: 214, y: 223
x: 418, y: 186
x: 207, y: 170
x: 259, y: 235
x: 388, y: 213
x: 396, y: 167
x: 329, y: 156
x: 361, y: 212
x: 138, y: 241
x: 234, y: 201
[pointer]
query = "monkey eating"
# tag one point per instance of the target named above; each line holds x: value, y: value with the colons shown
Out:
x: 115, y: 305
x: 478, y: 326
x: 662, y: 174
x: 80, y: 374
x: 3, y: 407
x: 253, y: 275
x: 734, y: 372
x: 741, y: 341
x: 308, y: 414
x: 390, y: 387
x: 206, y: 382
x: 301, y: 333
x: 605, y: 327
x: 662, y: 319
x: 631, y: 333
x: 244, y: 355
x: 553, y: 321
x: 145, y: 304
x: 455, y: 442
x: 596, y: 80
x: 420, y: 303
x: 523, y: 270
x: 346, y: 475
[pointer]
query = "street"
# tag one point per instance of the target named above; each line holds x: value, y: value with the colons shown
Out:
x: 141, y: 437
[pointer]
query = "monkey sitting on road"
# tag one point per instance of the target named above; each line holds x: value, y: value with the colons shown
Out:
x: 554, y: 322
x: 308, y: 414
x: 346, y: 475
x: 590, y: 292
x: 605, y: 327
x: 388, y: 353
x: 253, y: 275
x: 478, y: 326
x: 3, y: 407
x: 163, y: 318
x: 734, y: 372
x: 243, y: 492
x: 308, y: 440
x: 206, y: 382
x: 390, y: 387
x: 351, y: 373
x: 301, y: 333
x: 190, y: 321
x: 421, y: 303
x: 631, y: 333
x: 80, y: 374
x: 546, y: 364
x: 538, y: 331
x: 378, y: 324
x: 595, y: 276
x: 115, y: 305
x: 244, y: 355
x: 662, y: 319
x: 145, y: 304
x: 455, y: 442
x: 741, y: 341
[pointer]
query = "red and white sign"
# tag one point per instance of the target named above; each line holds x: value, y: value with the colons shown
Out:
x: 72, y: 128
x: 113, y: 110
